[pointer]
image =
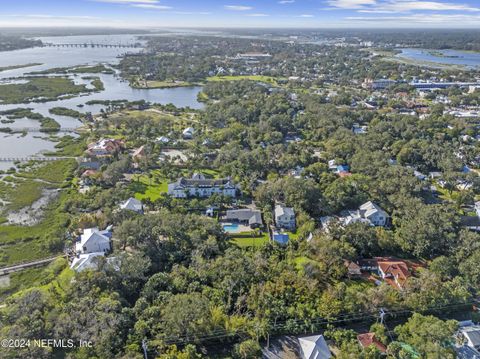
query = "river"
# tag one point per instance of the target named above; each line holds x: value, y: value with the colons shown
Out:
x: 53, y: 57
x: 445, y: 57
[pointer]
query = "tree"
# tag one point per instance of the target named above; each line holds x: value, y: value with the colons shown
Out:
x: 428, y: 335
x: 425, y: 230
x: 247, y: 349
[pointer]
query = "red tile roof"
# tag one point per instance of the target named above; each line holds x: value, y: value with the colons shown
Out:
x: 368, y: 339
x: 398, y: 269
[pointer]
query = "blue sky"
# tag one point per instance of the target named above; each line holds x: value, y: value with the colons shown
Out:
x: 243, y: 13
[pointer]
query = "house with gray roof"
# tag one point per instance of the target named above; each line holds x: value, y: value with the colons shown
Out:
x: 132, y: 204
x: 199, y: 186
x: 94, y: 241
x: 247, y: 216
x: 368, y: 213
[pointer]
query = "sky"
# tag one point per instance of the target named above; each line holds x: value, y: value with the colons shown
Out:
x: 242, y: 13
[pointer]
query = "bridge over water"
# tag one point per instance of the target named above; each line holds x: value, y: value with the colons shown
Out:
x: 94, y: 45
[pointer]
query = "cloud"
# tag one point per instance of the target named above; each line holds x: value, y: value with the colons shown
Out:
x: 350, y: 4
x: 306, y: 15
x: 257, y: 15
x: 406, y: 6
x: 284, y: 2
x: 447, y: 20
x: 152, y: 6
x: 238, y: 7
x: 392, y: 6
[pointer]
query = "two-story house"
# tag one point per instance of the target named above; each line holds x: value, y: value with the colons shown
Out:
x: 284, y: 217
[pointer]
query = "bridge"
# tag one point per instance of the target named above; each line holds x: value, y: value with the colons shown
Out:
x: 34, y: 158
x: 94, y: 45
x: 26, y: 265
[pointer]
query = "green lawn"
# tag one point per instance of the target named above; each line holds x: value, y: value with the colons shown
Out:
x: 245, y: 239
x: 151, y: 188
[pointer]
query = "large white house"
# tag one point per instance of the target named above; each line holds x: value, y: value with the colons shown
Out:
x: 369, y: 213
x: 94, y: 241
x: 199, y: 186
x: 284, y: 217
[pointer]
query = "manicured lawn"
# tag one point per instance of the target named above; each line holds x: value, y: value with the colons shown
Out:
x: 151, y: 188
x: 155, y: 187
x: 245, y: 239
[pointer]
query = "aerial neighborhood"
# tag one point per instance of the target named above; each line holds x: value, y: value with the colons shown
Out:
x: 289, y: 193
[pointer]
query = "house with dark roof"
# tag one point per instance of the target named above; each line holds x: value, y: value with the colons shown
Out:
x: 199, y: 186
x: 247, y: 216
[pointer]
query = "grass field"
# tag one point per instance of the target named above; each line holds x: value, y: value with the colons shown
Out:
x: 149, y: 188
x: 246, y: 239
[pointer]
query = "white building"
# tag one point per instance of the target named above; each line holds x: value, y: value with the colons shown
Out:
x: 372, y: 212
x: 314, y: 347
x: 188, y: 133
x: 86, y: 261
x: 93, y: 241
x: 284, y: 217
x: 368, y: 213
x: 132, y: 204
x: 199, y: 186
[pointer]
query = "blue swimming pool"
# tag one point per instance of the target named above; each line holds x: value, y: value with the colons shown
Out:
x: 231, y: 228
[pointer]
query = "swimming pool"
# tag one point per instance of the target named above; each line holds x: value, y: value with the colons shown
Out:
x: 230, y: 227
